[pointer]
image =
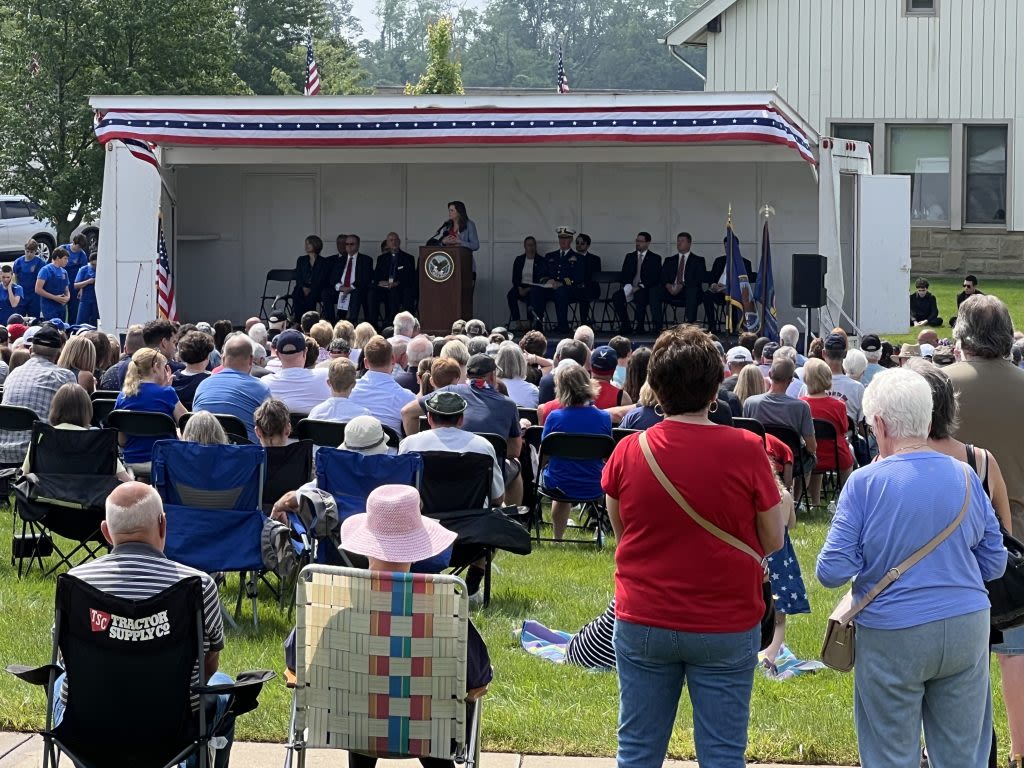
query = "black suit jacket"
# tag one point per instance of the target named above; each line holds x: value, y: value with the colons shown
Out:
x: 719, y: 267
x: 696, y: 268
x: 405, y: 274
x: 364, y: 272
x: 650, y: 274
x: 519, y: 266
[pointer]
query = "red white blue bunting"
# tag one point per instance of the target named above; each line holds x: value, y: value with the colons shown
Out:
x: 757, y: 123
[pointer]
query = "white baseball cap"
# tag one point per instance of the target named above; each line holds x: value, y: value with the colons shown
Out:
x: 739, y: 355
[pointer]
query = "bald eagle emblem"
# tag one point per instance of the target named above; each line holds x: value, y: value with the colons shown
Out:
x: 440, y: 266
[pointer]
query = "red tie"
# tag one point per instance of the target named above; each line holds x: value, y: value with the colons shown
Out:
x: 680, y: 270
x: 348, y: 274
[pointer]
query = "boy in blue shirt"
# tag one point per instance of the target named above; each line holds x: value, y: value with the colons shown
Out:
x: 53, y: 287
x: 85, y: 287
x: 11, y: 294
x: 78, y: 257
x: 26, y: 268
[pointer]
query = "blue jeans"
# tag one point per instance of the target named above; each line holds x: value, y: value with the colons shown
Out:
x: 935, y: 675
x: 215, y: 709
x: 653, y: 664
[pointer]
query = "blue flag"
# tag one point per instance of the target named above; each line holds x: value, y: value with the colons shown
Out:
x: 764, y: 290
x: 737, y: 286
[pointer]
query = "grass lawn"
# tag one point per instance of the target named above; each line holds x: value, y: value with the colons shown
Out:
x: 533, y: 706
x: 946, y: 289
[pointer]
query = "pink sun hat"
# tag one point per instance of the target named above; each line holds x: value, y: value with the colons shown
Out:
x: 393, y: 529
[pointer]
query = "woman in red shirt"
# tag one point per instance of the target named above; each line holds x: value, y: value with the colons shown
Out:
x: 687, y: 604
x: 818, y: 380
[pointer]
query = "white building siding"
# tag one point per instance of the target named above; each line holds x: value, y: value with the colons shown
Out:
x: 865, y: 60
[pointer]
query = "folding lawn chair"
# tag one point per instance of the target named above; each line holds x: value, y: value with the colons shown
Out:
x: 825, y: 430
x: 130, y: 691
x: 381, y: 666
x: 593, y: 514
x: 71, y: 473
x: 212, y: 496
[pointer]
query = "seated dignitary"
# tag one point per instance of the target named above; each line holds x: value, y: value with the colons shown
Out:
x: 351, y: 282
x: 714, y: 296
x: 524, y: 272
x: 558, y: 274
x: 641, y: 286
x: 445, y: 412
x: 589, y: 291
x: 682, y: 276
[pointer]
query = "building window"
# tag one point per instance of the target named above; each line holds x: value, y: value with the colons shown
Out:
x: 922, y: 7
x: 985, y: 174
x: 922, y: 153
x: 860, y: 132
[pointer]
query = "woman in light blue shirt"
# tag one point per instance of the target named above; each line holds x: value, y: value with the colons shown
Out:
x: 460, y: 229
x: 922, y: 645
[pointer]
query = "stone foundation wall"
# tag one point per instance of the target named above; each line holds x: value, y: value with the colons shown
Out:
x: 940, y: 252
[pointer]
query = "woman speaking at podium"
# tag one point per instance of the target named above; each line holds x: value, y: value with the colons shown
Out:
x: 459, y: 229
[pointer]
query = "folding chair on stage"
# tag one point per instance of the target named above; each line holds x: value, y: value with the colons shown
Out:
x: 381, y: 666
x: 71, y: 473
x: 212, y: 496
x: 284, y: 297
x: 130, y: 691
x: 593, y: 514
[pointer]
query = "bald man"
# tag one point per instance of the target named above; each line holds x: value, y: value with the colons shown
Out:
x: 137, y: 568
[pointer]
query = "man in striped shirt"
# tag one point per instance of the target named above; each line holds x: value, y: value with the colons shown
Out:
x: 137, y: 568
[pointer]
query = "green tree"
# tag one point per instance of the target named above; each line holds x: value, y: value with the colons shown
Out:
x: 266, y: 35
x: 54, y: 54
x: 341, y: 71
x: 444, y: 71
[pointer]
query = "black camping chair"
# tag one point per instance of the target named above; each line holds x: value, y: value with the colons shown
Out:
x: 129, y: 664
x: 830, y: 486
x: 288, y: 467
x: 321, y: 432
x: 13, y: 418
x: 284, y: 298
x: 455, y: 490
x: 498, y: 443
x: 593, y: 513
x: 71, y: 473
x: 751, y: 425
x: 795, y: 444
x: 233, y: 426
x: 101, y: 409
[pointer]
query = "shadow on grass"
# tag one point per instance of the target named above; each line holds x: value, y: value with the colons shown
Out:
x: 510, y: 604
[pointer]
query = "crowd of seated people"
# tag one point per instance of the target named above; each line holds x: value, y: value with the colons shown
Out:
x: 402, y: 392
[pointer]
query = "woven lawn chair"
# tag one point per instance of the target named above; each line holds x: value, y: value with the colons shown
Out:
x: 381, y: 666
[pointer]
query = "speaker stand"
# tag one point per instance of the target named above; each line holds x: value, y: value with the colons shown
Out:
x: 807, y: 333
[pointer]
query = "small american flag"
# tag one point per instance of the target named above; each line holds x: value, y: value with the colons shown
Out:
x: 165, y: 303
x: 563, y: 81
x: 312, y: 73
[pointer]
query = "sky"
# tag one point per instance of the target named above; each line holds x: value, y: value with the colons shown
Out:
x: 364, y: 11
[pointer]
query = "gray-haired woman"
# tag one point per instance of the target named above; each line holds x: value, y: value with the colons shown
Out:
x: 511, y: 362
x: 922, y: 644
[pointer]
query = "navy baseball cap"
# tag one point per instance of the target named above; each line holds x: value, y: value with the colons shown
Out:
x: 291, y: 341
x: 604, y: 359
x: 835, y: 341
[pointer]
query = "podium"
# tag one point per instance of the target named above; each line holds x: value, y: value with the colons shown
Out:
x: 446, y: 287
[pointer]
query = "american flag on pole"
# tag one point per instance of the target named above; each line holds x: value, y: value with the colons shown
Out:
x: 312, y: 73
x: 563, y: 81
x: 165, y: 304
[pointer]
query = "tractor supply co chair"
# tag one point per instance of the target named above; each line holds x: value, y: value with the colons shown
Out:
x: 71, y: 473
x: 350, y: 478
x: 455, y: 490
x: 283, y: 297
x: 233, y: 426
x: 212, y: 498
x: 131, y: 688
x: 381, y: 666
x: 593, y: 514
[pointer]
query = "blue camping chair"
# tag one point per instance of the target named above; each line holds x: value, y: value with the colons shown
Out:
x: 212, y: 496
x: 350, y: 478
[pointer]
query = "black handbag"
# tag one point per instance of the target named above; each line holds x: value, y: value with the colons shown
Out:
x: 768, y: 618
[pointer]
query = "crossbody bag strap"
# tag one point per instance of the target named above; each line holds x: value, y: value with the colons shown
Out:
x: 894, y: 573
x: 677, y: 497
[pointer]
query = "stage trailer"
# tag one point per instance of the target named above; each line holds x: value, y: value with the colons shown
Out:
x: 237, y: 183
